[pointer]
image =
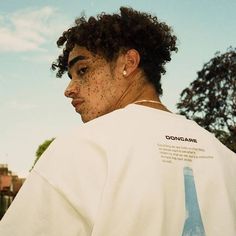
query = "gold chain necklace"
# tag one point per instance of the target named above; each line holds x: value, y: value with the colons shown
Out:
x: 150, y: 101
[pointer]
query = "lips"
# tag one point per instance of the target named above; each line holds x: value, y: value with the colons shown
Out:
x: 76, y: 103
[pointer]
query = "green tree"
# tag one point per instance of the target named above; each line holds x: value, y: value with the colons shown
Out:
x: 41, y: 149
x: 210, y: 99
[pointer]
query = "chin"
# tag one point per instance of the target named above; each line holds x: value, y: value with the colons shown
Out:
x: 93, y: 113
x: 87, y: 119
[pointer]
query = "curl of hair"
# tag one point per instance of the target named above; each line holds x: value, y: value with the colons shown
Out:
x: 109, y: 34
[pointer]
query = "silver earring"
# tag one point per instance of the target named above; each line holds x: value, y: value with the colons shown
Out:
x: 124, y: 72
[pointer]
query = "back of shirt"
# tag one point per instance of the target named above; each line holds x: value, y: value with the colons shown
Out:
x: 136, y: 171
x: 166, y: 176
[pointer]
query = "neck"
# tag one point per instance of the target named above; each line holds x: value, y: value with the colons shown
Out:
x: 141, y: 92
x: 147, y: 96
x: 141, y: 89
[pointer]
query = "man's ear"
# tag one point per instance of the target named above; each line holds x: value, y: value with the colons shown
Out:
x: 132, y: 60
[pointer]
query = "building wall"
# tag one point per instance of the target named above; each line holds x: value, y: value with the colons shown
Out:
x: 9, y: 186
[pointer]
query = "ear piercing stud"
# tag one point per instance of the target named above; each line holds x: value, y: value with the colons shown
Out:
x: 124, y: 72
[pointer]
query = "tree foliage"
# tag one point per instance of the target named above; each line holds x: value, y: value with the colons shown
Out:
x: 41, y: 149
x: 210, y: 99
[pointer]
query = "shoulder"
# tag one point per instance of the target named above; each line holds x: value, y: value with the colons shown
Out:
x: 72, y: 157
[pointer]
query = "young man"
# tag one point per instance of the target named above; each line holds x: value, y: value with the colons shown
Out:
x: 134, y: 168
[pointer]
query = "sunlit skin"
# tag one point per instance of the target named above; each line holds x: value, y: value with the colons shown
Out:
x: 98, y: 87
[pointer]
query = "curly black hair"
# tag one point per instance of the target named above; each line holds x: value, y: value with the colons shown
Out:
x: 108, y: 34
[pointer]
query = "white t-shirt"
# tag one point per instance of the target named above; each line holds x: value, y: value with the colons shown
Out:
x: 136, y: 171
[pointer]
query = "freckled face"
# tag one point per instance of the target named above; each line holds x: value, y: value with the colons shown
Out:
x: 95, y: 87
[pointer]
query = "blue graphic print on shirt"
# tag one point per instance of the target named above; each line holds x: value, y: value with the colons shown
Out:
x: 193, y: 225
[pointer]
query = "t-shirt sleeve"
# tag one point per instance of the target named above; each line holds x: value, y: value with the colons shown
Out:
x: 40, y: 209
x: 62, y: 194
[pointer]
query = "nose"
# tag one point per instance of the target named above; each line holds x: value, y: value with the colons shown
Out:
x: 71, y: 90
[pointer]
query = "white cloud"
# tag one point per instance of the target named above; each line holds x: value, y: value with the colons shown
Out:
x: 28, y: 29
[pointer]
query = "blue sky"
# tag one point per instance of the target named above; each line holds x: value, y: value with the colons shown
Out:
x: 32, y: 105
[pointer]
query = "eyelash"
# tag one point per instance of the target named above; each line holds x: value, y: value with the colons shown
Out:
x: 82, y: 71
x: 79, y: 72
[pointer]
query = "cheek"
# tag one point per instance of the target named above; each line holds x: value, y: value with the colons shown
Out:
x: 101, y: 84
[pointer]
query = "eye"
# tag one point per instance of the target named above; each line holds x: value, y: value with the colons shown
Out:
x: 82, y: 71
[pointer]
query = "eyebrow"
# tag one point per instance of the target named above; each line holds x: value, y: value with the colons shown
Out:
x: 75, y: 59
